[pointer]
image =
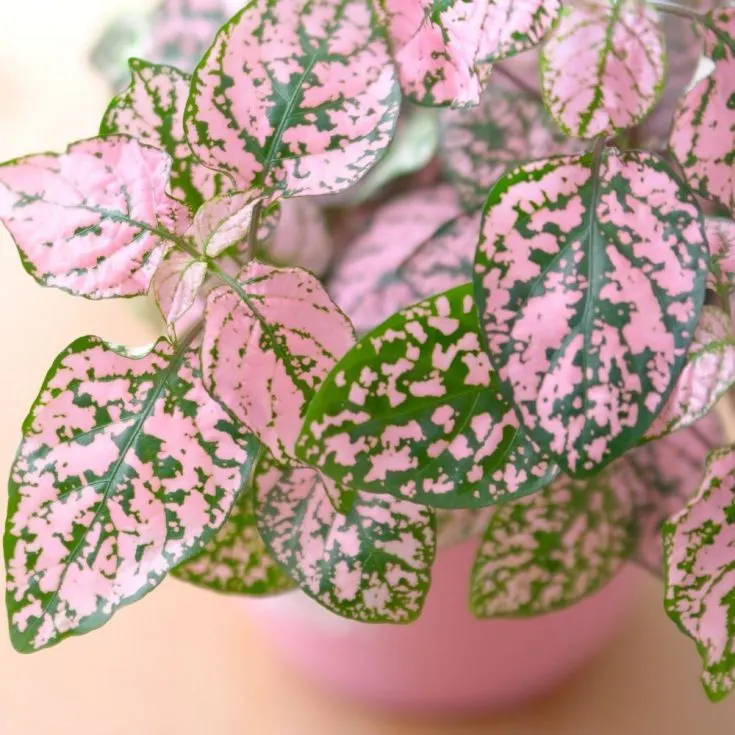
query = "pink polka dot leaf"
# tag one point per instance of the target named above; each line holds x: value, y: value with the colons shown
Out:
x: 508, y: 323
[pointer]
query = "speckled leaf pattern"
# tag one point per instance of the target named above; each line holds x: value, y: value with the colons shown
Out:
x: 721, y: 241
x: 180, y: 31
x: 372, y: 565
x: 176, y: 284
x: 548, y: 551
x: 295, y: 95
x: 90, y: 221
x: 604, y: 67
x: 267, y: 347
x: 590, y: 276
x: 444, y: 50
x: 151, y: 110
x: 127, y: 467
x: 708, y: 374
x: 223, y: 223
x: 660, y: 478
x: 703, y: 136
x: 236, y: 561
x: 414, y: 409
x: 480, y: 143
x: 415, y: 246
x: 699, y: 545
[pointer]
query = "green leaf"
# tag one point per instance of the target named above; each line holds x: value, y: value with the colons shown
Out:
x: 415, y: 410
x: 371, y: 565
x: 550, y: 550
x: 236, y: 561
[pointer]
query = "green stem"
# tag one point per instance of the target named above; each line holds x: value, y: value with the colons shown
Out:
x: 254, y: 227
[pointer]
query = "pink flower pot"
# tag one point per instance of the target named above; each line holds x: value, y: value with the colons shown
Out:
x: 447, y: 660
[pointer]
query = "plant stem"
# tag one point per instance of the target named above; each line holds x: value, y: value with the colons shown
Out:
x: 675, y: 9
x: 522, y: 86
x: 254, y: 227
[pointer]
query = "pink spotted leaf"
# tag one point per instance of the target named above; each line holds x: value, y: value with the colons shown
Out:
x: 708, y: 374
x: 590, y: 276
x: 480, y: 143
x: 444, y: 51
x: 236, y: 561
x: 93, y: 221
x: 151, y: 109
x: 604, y: 66
x: 127, y: 467
x: 372, y: 565
x: 721, y: 241
x: 270, y: 338
x: 294, y: 95
x: 703, y: 136
x: 177, y: 283
x: 415, y: 246
x: 699, y: 544
x: 550, y: 550
x: 659, y: 478
x: 415, y: 410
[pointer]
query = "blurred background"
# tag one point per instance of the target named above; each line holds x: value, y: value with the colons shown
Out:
x: 185, y: 661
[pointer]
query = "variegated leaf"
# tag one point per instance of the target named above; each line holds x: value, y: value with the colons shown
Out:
x: 703, y: 136
x: 552, y: 549
x: 92, y: 221
x: 604, y: 67
x: 236, y: 561
x: 151, y: 109
x: 721, y: 241
x: 590, y: 276
x: 127, y: 467
x: 444, y: 50
x: 415, y: 246
x: 270, y: 338
x: 180, y: 31
x: 699, y: 544
x: 660, y: 477
x: 414, y: 409
x: 177, y: 283
x: 224, y: 223
x: 371, y: 565
x: 708, y: 374
x: 295, y: 95
x: 480, y: 143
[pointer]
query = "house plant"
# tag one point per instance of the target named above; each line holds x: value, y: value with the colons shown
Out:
x: 133, y: 463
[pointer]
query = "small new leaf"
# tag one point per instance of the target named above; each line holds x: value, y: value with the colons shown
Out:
x: 127, y: 468
x: 414, y: 409
x: 372, y: 565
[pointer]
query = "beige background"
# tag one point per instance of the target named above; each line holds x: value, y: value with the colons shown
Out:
x: 184, y: 661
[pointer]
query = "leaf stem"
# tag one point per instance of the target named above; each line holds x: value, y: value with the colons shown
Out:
x: 682, y: 11
x: 522, y: 86
x: 254, y: 227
